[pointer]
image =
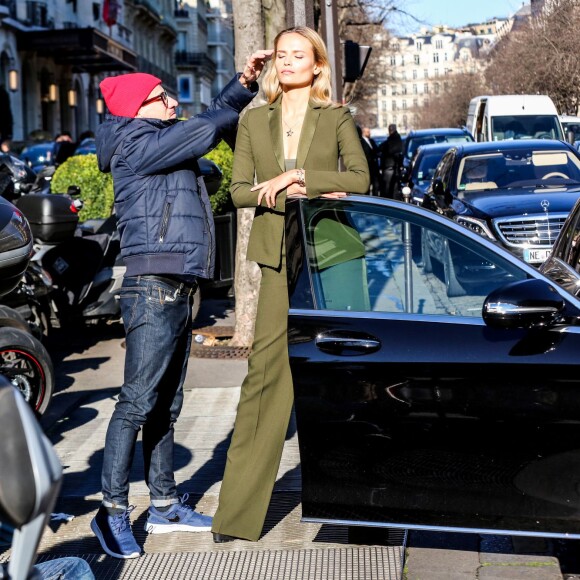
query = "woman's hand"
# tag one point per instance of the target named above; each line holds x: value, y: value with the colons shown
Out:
x: 254, y: 66
x: 271, y: 188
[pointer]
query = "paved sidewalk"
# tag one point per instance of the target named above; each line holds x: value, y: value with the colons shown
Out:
x: 89, y: 371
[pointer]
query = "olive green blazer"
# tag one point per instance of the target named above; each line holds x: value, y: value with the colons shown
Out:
x: 328, y: 132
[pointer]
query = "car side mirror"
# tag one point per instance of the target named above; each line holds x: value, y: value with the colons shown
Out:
x: 441, y: 196
x: 523, y: 304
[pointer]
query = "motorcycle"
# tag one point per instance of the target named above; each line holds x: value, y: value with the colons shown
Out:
x: 80, y: 265
x: 23, y: 359
x: 76, y: 269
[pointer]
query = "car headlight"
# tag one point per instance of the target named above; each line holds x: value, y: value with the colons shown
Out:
x: 475, y: 225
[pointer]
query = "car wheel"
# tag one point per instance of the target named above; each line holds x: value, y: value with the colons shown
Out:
x: 425, y: 255
x: 27, y: 365
x: 454, y: 288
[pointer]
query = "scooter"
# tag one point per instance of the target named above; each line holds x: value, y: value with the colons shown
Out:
x: 23, y: 359
x: 81, y: 263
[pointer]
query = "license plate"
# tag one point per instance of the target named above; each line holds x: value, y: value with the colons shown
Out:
x: 536, y: 256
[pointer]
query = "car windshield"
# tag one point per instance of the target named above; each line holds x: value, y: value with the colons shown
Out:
x: 517, y: 169
x: 424, y: 169
x: 512, y: 127
x: 416, y: 142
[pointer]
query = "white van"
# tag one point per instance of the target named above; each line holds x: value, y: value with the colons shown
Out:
x: 499, y: 117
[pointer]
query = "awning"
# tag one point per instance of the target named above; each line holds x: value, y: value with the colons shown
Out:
x: 84, y: 49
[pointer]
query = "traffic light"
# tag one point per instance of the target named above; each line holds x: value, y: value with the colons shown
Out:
x: 355, y: 58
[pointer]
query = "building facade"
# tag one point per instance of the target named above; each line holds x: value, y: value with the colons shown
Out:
x: 419, y: 67
x: 196, y: 70
x: 54, y: 53
x: 221, y: 42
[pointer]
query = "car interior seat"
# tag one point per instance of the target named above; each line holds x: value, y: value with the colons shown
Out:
x: 475, y: 176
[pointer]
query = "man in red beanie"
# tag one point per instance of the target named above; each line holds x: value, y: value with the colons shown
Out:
x: 167, y: 237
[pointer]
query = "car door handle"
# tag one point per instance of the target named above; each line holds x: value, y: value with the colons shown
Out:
x: 347, y: 343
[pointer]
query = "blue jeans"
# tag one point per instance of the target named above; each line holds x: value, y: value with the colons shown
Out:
x: 69, y: 568
x: 157, y: 320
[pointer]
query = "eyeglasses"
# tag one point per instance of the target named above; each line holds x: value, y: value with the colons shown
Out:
x: 160, y: 97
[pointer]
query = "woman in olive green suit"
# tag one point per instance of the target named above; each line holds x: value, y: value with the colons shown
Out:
x: 292, y: 147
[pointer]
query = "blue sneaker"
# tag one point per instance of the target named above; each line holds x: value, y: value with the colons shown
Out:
x: 114, y: 533
x: 178, y: 518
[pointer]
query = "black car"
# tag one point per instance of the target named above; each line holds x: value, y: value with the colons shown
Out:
x: 563, y: 263
x: 423, y: 168
x: 420, y: 410
x: 517, y: 193
x: 415, y: 139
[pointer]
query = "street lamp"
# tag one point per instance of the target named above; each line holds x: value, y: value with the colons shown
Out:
x: 13, y: 79
x: 72, y: 98
x: 52, y: 92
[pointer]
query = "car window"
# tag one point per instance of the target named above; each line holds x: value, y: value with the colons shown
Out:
x: 415, y: 142
x: 517, y: 168
x: 525, y: 127
x: 459, y: 139
x: 425, y: 166
x: 374, y: 259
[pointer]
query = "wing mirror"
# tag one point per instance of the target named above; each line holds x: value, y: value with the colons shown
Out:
x: 523, y: 304
x: 441, y: 196
x: 29, y: 479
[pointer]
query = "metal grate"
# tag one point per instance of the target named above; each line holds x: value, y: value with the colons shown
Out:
x: 223, y: 352
x: 367, y: 563
x: 536, y: 231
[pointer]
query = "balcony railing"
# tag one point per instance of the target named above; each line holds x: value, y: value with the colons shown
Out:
x: 168, y: 79
x: 199, y: 60
x: 184, y: 57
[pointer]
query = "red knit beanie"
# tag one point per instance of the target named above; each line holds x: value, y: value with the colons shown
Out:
x: 125, y: 94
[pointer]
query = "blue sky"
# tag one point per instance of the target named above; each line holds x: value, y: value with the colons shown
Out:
x: 451, y: 12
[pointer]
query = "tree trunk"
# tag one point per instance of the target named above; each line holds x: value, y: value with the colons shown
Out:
x: 249, y: 36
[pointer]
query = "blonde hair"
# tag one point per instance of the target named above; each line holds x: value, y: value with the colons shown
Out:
x: 321, y: 89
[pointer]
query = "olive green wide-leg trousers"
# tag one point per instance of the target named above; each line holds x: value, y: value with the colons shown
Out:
x: 262, y: 419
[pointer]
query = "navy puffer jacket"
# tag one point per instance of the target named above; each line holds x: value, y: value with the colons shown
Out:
x: 163, y: 210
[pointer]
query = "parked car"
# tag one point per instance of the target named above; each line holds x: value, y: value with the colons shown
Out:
x: 38, y: 155
x: 415, y: 139
x: 571, y: 127
x: 418, y: 410
x: 86, y: 146
x: 517, y: 193
x: 498, y: 117
x: 423, y: 168
x: 563, y: 263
